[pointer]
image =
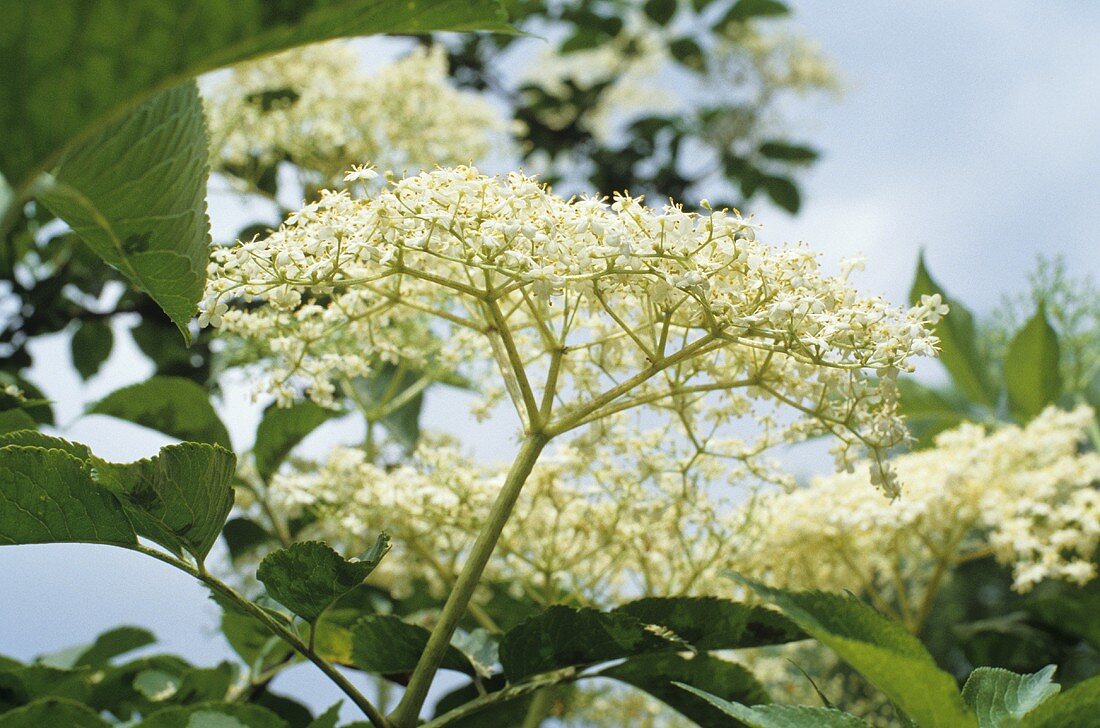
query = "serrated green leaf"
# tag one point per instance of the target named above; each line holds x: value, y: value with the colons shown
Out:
x: 308, y: 577
x: 656, y: 673
x: 179, y: 499
x: 563, y: 637
x: 1001, y: 698
x: 281, y: 429
x: 958, y: 336
x: 173, y: 405
x: 710, y: 623
x: 136, y: 194
x: 1033, y: 377
x: 52, y: 713
x: 91, y: 345
x: 1075, y: 708
x: 882, y: 651
x: 387, y: 645
x: 214, y: 715
x: 33, y: 438
x: 49, y: 496
x: 77, y: 67
x: 780, y: 716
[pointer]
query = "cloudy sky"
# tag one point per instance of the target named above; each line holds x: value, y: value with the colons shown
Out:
x: 971, y: 130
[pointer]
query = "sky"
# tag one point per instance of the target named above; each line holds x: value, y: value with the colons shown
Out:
x: 968, y: 130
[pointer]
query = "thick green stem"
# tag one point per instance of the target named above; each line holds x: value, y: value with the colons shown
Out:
x: 539, y: 708
x: 408, y: 710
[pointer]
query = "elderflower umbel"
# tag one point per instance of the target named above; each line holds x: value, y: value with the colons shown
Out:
x: 316, y: 107
x: 1026, y: 495
x: 586, y: 308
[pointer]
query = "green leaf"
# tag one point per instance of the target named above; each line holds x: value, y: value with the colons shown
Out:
x: 747, y: 9
x: 928, y: 411
x: 958, y: 336
x: 175, y: 406
x: 386, y: 645
x: 327, y: 719
x: 563, y: 637
x: 281, y: 429
x: 252, y: 641
x: 710, y: 623
x: 214, y: 715
x: 1074, y: 708
x: 91, y: 345
x: 660, y: 11
x: 106, y: 647
x: 243, y: 536
x: 656, y: 673
x: 1001, y: 698
x: 308, y: 577
x: 48, y: 496
x: 787, y: 152
x: 378, y: 393
x: 783, y: 192
x: 688, y: 52
x: 136, y: 194
x: 780, y: 716
x: 52, y: 713
x: 1033, y: 378
x: 14, y: 420
x: 179, y: 499
x: 77, y: 67
x: 882, y: 651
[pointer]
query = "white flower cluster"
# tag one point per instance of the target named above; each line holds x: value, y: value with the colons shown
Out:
x: 1026, y: 495
x: 595, y: 523
x: 588, y: 308
x: 316, y: 107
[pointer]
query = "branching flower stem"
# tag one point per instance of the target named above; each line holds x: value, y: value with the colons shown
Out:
x: 408, y: 709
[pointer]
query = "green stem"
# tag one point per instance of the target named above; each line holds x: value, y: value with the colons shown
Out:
x: 539, y: 708
x: 408, y: 710
x: 229, y: 593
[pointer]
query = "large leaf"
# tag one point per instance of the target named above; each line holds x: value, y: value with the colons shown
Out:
x: 1033, y: 378
x: 656, y: 673
x: 1001, y: 698
x: 173, y: 405
x: 49, y: 496
x: 1075, y: 708
x: 52, y: 713
x: 780, y: 716
x: 384, y: 644
x: 563, y: 637
x: 882, y: 651
x: 179, y: 499
x: 76, y: 65
x: 308, y: 577
x: 710, y: 623
x: 281, y: 429
x: 135, y: 193
x: 958, y: 341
